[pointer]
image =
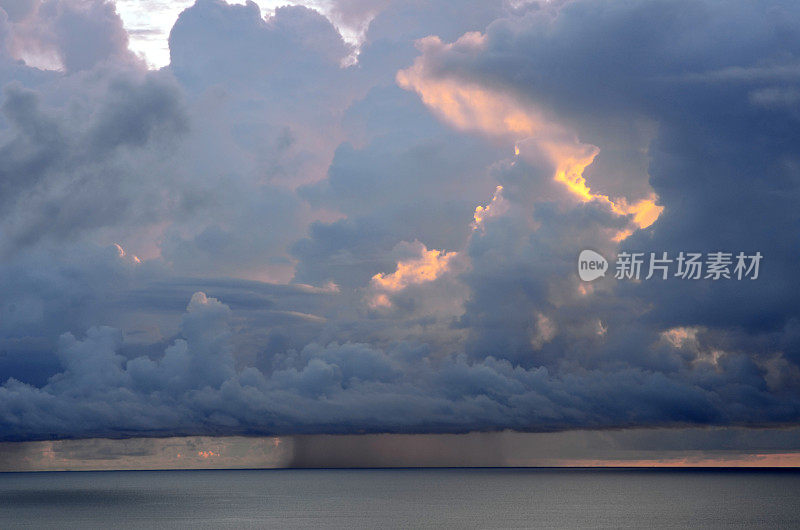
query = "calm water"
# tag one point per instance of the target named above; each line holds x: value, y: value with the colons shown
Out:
x: 442, y: 498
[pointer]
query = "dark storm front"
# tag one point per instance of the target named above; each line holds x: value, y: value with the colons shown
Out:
x: 403, y: 498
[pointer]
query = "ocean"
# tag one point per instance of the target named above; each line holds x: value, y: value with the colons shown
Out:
x: 403, y: 498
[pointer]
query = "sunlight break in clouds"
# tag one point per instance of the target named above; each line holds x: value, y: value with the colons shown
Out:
x: 148, y: 23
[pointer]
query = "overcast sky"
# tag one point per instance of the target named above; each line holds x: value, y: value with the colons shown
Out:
x: 246, y: 220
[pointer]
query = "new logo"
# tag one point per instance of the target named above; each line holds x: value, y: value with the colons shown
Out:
x: 591, y: 265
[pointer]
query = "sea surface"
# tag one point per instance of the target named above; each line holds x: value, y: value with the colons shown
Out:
x: 403, y: 498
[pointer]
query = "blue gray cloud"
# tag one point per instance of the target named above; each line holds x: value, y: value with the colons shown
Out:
x: 264, y: 239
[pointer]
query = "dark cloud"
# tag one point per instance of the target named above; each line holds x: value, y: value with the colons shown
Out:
x: 719, y: 165
x: 195, y: 388
x: 390, y: 246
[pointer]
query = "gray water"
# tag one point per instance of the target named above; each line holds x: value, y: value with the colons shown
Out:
x: 402, y: 498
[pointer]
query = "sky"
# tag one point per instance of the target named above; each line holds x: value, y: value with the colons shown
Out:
x: 149, y: 22
x: 277, y: 232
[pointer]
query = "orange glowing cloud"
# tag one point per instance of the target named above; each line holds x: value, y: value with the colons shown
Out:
x: 427, y: 266
x: 125, y: 256
x: 472, y: 107
x: 681, y: 336
x: 570, y: 159
x: 464, y: 105
x: 497, y: 206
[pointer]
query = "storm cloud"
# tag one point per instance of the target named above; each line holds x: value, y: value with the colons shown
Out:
x: 285, y: 233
